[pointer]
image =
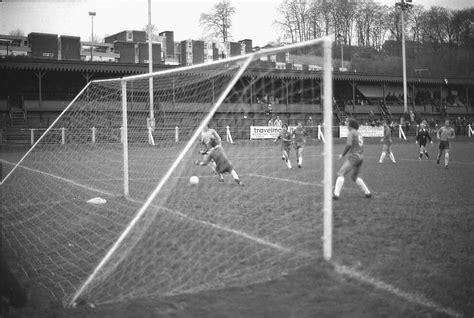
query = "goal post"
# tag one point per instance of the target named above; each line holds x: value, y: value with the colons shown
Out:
x: 328, y: 151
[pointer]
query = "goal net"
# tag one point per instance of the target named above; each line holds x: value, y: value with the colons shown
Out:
x: 100, y: 209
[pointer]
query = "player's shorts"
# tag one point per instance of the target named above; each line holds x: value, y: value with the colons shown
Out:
x: 387, y: 142
x: 298, y: 144
x: 286, y: 147
x: 422, y: 143
x: 224, y: 167
x: 355, y: 160
x: 444, y: 144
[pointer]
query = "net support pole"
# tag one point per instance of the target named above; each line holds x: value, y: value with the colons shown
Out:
x: 228, y: 135
x: 93, y: 134
x: 125, y: 138
x: 328, y: 152
x: 63, y: 135
x: 150, y: 65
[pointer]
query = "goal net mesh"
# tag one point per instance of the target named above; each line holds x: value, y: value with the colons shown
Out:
x: 101, y: 208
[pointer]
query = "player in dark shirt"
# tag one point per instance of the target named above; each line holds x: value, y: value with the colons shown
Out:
x: 355, y: 149
x: 286, y: 139
x: 299, y: 138
x: 422, y: 137
x: 223, y: 165
x: 386, y: 143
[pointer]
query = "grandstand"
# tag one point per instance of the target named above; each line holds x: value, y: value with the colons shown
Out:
x: 38, y: 90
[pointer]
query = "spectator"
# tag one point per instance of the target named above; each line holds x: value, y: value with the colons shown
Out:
x: 277, y: 122
x: 270, y: 122
x: 309, y: 126
x: 269, y: 110
x: 412, y: 118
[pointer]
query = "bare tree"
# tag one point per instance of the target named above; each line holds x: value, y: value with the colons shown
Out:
x: 154, y: 32
x: 286, y: 23
x: 219, y: 21
x: 463, y: 24
x: 17, y: 32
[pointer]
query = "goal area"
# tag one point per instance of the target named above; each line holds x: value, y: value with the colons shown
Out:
x: 100, y: 208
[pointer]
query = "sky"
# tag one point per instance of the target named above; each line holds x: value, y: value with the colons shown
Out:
x: 253, y: 19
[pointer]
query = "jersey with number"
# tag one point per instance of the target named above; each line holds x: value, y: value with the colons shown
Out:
x: 387, y: 136
x: 298, y: 134
x: 356, y: 142
x: 285, y: 137
x: 220, y: 158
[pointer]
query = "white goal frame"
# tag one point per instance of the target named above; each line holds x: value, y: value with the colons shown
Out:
x: 327, y: 43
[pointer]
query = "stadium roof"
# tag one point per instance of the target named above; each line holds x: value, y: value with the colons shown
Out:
x: 132, y: 69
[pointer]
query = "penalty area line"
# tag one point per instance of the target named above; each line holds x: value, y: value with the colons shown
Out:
x: 220, y: 227
x: 380, y: 285
x: 285, y: 180
x: 64, y: 180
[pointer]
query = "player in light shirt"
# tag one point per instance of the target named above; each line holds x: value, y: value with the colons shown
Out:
x: 299, y: 139
x: 217, y: 155
x: 286, y: 139
x: 444, y: 134
x: 386, y: 143
x: 354, y: 148
x: 207, y: 136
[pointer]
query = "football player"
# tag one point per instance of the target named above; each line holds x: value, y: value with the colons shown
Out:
x: 444, y: 134
x: 286, y: 139
x: 207, y: 136
x: 386, y: 143
x: 217, y: 155
x: 299, y: 139
x: 355, y: 149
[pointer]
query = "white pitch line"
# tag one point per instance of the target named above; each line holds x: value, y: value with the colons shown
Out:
x: 286, y: 180
x: 421, y: 300
x: 63, y: 179
x: 430, y: 160
x: 378, y: 284
x: 228, y: 229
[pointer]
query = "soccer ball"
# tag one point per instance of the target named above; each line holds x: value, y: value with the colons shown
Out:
x: 194, y: 180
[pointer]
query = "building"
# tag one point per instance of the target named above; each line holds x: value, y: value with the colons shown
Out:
x: 14, y: 45
x: 127, y: 36
x: 192, y: 52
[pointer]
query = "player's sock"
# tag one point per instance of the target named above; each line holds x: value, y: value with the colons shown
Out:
x: 338, y: 186
x: 362, y: 185
x: 382, y: 157
x: 446, y: 159
x: 288, y: 163
x: 235, y: 175
x: 421, y: 155
x: 427, y: 155
x: 392, y: 157
x: 300, y: 162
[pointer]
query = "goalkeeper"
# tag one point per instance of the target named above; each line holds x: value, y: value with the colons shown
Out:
x: 223, y: 165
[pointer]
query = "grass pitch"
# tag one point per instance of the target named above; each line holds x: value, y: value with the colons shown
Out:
x: 406, y: 252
